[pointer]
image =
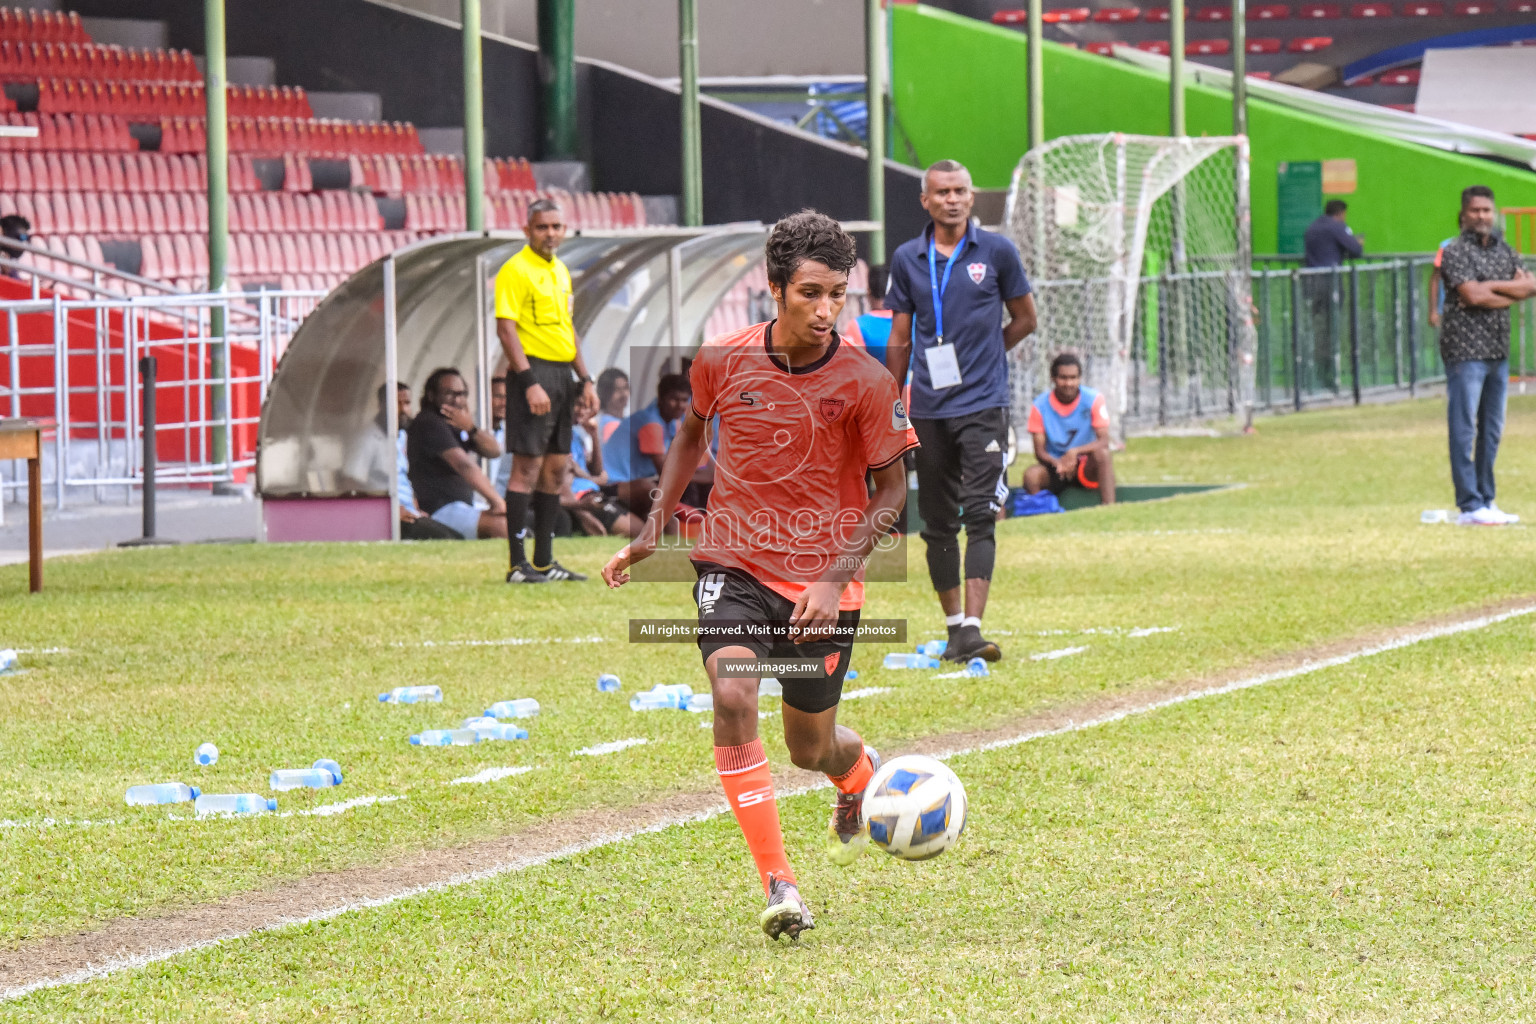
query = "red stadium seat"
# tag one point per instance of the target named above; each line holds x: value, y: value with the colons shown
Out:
x: 1154, y: 46
x: 1371, y: 11
x: 1470, y: 8
x: 1262, y: 76
x: 1213, y: 12
x: 1405, y: 76
x: 1155, y: 14
x: 1207, y: 47
x: 1066, y: 15
x: 1361, y: 81
x: 1521, y: 7
x: 141, y: 218
x: 1319, y: 11
x: 1117, y: 14
x: 1010, y: 17
x: 1105, y: 49
x: 1430, y: 9
x: 1309, y: 44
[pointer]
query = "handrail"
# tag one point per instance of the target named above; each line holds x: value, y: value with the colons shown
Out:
x: 64, y: 257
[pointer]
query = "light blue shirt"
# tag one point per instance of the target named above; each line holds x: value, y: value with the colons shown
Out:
x: 403, y: 476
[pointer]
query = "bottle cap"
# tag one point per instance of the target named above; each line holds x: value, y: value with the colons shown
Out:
x: 327, y: 764
x: 271, y: 805
x: 416, y: 740
x: 383, y: 696
x: 195, y: 792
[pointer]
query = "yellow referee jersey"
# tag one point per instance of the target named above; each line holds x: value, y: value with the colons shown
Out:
x: 535, y: 294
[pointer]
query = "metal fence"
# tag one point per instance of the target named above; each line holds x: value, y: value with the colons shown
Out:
x: 74, y: 357
x: 1348, y: 334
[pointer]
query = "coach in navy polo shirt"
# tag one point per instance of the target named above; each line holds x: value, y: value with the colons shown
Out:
x: 948, y: 292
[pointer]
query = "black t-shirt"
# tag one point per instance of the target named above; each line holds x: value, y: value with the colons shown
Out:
x: 436, y: 482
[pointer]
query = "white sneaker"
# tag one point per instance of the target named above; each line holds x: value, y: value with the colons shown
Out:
x: 1481, y: 517
x: 1508, y: 517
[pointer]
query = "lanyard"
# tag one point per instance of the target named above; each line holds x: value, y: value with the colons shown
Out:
x: 940, y: 287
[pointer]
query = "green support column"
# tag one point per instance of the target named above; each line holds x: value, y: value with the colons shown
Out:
x: 1176, y: 68
x: 214, y: 86
x: 1034, y: 74
x: 557, y: 50
x: 688, y: 68
x: 1239, y: 67
x: 474, y: 120
x: 874, y: 97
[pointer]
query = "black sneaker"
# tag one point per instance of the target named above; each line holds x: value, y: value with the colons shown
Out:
x: 966, y: 642
x: 555, y: 573
x: 787, y: 913
x: 525, y: 573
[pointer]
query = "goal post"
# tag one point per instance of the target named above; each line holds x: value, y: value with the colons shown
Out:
x: 1140, y: 253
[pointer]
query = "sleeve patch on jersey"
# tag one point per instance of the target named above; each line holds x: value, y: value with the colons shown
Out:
x: 899, y: 416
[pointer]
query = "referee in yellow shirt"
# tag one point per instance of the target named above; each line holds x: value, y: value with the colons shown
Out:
x: 545, y: 376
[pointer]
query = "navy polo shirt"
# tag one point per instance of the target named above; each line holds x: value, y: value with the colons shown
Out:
x: 987, y: 273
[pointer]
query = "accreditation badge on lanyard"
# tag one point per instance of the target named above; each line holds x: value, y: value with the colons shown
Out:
x: 943, y: 366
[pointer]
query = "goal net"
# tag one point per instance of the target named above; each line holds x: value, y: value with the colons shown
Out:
x: 1139, y: 251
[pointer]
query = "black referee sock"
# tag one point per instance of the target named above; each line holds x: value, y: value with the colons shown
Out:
x: 517, y: 515
x: 546, y: 507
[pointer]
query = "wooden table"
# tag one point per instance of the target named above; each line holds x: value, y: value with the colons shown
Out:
x: 23, y: 439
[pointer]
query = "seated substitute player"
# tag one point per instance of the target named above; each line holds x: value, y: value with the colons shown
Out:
x: 1070, y: 428
x: 802, y: 418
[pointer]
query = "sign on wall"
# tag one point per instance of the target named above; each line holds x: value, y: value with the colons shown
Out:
x: 1300, y: 189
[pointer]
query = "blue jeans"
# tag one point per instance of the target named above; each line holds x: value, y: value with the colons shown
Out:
x: 1474, y: 392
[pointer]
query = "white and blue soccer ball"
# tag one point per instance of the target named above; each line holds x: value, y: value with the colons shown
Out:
x: 914, y: 807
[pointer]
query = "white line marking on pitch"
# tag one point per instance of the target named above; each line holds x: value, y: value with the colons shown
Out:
x: 595, y: 842
x: 868, y: 691
x: 491, y: 775
x: 326, y: 810
x: 1065, y: 652
x: 599, y: 749
x: 510, y: 641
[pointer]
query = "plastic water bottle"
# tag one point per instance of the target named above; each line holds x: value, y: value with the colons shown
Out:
x: 607, y: 683
x: 523, y: 707
x: 933, y: 648
x: 700, y: 702
x: 898, y: 660
x: 303, y: 778
x: 161, y: 793
x: 1429, y: 515
x: 501, y: 731
x: 9, y: 660
x: 412, y: 695
x: 851, y: 675
x: 331, y: 766
x: 206, y: 754
x: 771, y: 687
x: 478, y: 722
x: 234, y: 803
x: 650, y: 700
x: 977, y: 667
x: 445, y: 738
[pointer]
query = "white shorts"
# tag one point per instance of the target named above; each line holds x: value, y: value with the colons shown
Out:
x: 460, y: 517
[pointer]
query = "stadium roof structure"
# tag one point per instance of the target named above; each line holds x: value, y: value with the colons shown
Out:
x: 639, y: 296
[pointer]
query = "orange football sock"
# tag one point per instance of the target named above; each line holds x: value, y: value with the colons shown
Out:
x: 856, y: 778
x: 749, y: 787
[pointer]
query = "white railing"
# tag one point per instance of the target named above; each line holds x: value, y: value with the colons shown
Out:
x: 73, y: 356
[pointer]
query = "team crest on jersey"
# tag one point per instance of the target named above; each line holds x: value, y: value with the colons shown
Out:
x: 831, y: 662
x: 831, y: 408
x: 977, y: 271
x: 899, y: 416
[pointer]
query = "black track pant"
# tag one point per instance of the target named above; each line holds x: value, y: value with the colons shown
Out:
x: 960, y: 480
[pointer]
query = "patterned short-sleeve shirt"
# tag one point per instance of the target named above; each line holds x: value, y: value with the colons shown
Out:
x: 1471, y: 332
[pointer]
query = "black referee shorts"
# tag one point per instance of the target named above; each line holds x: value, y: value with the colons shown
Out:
x: 960, y: 467
x: 550, y: 434
x: 732, y: 602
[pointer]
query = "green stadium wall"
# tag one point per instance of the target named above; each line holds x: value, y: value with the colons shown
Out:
x: 959, y: 92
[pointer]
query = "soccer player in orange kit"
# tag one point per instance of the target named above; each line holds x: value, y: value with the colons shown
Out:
x: 802, y: 418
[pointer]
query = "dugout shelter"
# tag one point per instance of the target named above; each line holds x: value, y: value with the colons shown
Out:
x: 326, y: 454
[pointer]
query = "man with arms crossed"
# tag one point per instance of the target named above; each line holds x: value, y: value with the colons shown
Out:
x: 802, y: 418
x: 545, y: 375
x: 948, y: 289
x: 1069, y: 425
x: 1483, y: 277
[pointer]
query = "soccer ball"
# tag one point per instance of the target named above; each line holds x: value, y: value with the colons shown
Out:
x: 914, y: 807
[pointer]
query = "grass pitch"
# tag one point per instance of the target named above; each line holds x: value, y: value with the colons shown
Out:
x: 1174, y: 862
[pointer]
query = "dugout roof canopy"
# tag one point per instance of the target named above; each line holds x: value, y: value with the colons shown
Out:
x: 325, y: 420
